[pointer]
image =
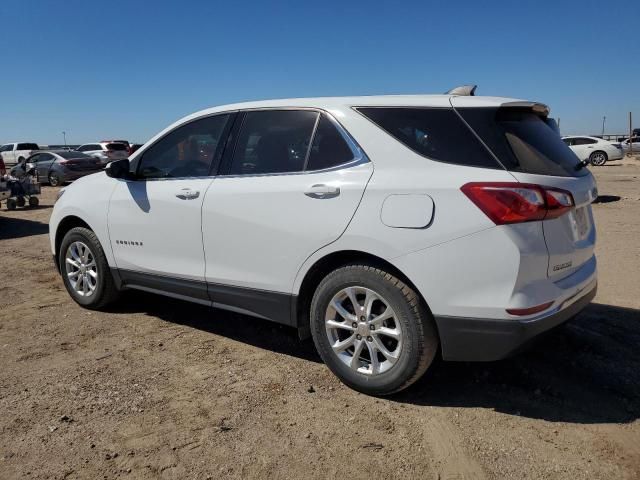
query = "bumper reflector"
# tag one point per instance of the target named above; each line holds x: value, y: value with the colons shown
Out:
x: 530, y: 310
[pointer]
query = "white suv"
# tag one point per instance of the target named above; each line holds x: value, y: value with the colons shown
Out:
x: 385, y: 227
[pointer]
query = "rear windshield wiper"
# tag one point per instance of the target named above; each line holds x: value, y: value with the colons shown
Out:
x: 581, y: 164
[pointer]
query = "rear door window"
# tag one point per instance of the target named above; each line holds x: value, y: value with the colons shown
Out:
x: 435, y: 133
x: 523, y: 141
x: 273, y: 141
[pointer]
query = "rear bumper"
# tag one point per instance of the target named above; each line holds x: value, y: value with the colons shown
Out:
x: 481, y: 340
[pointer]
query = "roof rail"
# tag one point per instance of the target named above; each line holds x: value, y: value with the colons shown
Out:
x: 465, y: 90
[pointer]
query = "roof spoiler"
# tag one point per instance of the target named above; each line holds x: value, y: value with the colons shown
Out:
x: 464, y: 90
x: 538, y: 108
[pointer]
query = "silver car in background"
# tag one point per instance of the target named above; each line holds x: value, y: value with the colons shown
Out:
x: 56, y: 167
x: 105, y: 151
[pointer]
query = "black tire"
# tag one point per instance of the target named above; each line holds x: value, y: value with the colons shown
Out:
x: 11, y: 204
x: 105, y: 291
x: 20, y: 201
x: 34, y: 201
x: 598, y: 158
x: 54, y: 179
x: 420, y: 337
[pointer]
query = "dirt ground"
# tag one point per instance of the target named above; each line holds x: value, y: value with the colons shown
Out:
x: 158, y: 388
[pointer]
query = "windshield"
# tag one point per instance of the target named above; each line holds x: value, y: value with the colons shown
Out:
x: 523, y: 141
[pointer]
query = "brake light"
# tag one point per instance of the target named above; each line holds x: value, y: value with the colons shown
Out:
x: 510, y: 202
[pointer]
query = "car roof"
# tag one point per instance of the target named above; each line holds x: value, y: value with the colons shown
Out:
x: 329, y: 103
x: 583, y: 136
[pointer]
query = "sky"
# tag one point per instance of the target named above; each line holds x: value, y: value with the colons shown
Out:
x: 127, y: 69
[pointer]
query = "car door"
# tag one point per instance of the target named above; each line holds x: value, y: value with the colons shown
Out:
x: 44, y: 164
x: 155, y: 219
x: 282, y: 194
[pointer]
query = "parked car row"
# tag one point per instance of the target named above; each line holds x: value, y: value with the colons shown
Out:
x: 60, y: 165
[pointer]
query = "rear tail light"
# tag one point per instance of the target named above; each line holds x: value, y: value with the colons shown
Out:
x: 506, y: 202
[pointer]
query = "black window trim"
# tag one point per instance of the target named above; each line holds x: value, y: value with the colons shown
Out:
x: 359, y: 156
x: 499, y: 165
x: 217, y: 155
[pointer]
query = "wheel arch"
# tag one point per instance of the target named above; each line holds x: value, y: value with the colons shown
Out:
x: 330, y: 262
x: 66, y: 224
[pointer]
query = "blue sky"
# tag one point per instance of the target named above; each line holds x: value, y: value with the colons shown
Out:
x: 126, y: 69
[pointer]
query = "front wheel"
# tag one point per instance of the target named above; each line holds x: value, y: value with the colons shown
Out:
x: 85, y: 271
x: 372, y: 330
x: 598, y: 158
x: 34, y: 201
x: 54, y: 179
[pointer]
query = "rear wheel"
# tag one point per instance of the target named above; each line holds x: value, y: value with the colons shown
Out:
x: 598, y: 158
x: 85, y: 271
x: 54, y: 179
x: 372, y: 330
x: 11, y: 204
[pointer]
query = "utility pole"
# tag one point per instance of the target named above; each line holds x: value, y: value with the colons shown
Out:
x: 64, y: 135
x: 559, y: 125
x: 630, y: 136
x: 604, y: 119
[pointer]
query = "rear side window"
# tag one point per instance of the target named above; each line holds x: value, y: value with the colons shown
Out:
x: 436, y: 133
x: 329, y: 148
x: 117, y: 146
x: 273, y: 141
x: 523, y: 141
x: 584, y: 141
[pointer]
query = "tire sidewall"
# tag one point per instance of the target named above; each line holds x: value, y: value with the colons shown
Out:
x: 592, y: 159
x: 81, y: 235
x: 54, y: 179
x: 408, y: 362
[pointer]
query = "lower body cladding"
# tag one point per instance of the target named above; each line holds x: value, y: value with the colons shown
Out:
x: 482, y: 340
x: 274, y: 306
x: 461, y: 338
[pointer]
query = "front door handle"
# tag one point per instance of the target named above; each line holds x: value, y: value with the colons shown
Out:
x: 187, y: 194
x: 320, y: 190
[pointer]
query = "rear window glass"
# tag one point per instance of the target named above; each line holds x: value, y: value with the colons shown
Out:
x: 436, y: 133
x: 116, y: 146
x: 28, y: 146
x: 523, y: 141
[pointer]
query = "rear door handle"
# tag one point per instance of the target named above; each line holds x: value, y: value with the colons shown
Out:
x: 320, y: 190
x: 187, y: 194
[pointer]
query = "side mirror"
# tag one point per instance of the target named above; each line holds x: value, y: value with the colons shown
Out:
x: 119, y: 169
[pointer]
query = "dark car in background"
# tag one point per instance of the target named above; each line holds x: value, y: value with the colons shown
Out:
x: 58, y: 166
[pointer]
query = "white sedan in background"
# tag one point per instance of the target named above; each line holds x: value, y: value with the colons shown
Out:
x: 635, y: 143
x: 593, y: 149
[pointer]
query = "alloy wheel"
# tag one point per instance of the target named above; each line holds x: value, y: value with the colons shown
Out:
x: 81, y: 269
x: 363, y: 330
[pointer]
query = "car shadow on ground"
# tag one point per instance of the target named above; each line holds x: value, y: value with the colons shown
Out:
x: 12, y: 227
x: 607, y: 198
x: 587, y: 371
x: 242, y: 328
